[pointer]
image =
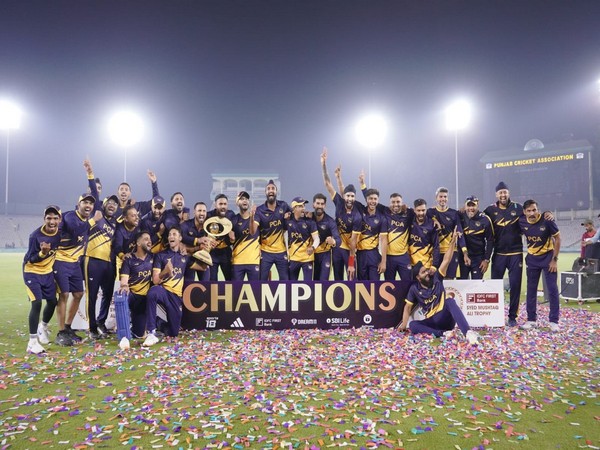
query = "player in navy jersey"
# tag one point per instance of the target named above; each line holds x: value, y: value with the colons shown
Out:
x: 68, y: 275
x: 329, y: 238
x: 153, y: 223
x: 221, y: 248
x: 447, y: 219
x: 168, y: 272
x: 423, y: 243
x: 38, y: 277
x: 271, y: 216
x: 99, y: 267
x: 125, y: 198
x: 349, y: 223
x: 177, y: 214
x: 373, y: 234
x: 195, y: 238
x: 124, y: 240
x: 135, y: 280
x: 508, y: 246
x: 441, y: 311
x: 246, y: 245
x: 543, y: 247
x: 479, y: 237
x: 303, y: 239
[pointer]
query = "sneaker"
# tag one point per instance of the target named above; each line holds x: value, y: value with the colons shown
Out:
x: 103, y: 330
x: 151, y: 339
x: 554, y: 327
x: 43, y: 334
x: 33, y: 346
x: 124, y: 344
x: 512, y: 322
x: 448, y: 334
x: 64, y: 339
x: 94, y: 335
x: 472, y: 337
x: 74, y: 336
x: 529, y: 325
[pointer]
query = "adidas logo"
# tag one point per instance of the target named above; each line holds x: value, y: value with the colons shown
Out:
x: 237, y: 323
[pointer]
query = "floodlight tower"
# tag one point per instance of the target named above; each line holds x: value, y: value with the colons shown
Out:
x: 10, y: 119
x: 458, y: 117
x: 126, y: 129
x: 371, y: 132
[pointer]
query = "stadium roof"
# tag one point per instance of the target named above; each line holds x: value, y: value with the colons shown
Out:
x: 548, y: 150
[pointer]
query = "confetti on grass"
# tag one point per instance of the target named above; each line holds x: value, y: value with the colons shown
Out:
x: 308, y: 389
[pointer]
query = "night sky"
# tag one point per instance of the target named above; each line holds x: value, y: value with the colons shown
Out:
x: 255, y: 86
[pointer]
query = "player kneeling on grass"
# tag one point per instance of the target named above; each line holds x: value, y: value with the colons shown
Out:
x: 168, y: 272
x: 441, y: 311
x: 39, y: 279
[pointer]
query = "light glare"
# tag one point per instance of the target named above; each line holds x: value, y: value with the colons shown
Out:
x: 371, y: 131
x: 458, y: 115
x: 126, y: 128
x: 10, y: 115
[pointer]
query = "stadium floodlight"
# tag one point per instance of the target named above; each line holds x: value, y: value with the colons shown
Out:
x: 371, y: 132
x: 126, y: 129
x: 458, y: 117
x: 10, y: 119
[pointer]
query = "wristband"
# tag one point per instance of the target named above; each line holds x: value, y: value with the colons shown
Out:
x: 351, y: 261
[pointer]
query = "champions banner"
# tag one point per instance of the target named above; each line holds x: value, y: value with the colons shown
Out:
x: 331, y: 304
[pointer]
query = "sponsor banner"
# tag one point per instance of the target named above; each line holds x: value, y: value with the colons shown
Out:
x: 481, y: 301
x: 287, y: 305
x: 326, y: 305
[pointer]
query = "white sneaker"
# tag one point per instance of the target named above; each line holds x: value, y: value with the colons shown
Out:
x: 151, y: 339
x: 529, y: 325
x: 43, y: 334
x: 448, y: 334
x: 35, y: 347
x: 554, y: 327
x: 124, y: 344
x: 472, y: 337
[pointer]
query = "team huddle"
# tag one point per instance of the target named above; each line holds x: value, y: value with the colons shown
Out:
x: 155, y: 251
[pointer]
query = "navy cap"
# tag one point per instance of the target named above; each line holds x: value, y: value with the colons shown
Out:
x: 243, y: 194
x: 298, y: 201
x: 414, y: 271
x: 52, y: 209
x: 87, y: 196
x: 158, y: 200
x: 113, y: 198
x: 471, y: 199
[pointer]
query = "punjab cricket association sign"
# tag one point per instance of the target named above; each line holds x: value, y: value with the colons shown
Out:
x: 325, y: 305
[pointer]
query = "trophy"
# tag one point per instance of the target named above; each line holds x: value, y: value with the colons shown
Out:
x: 217, y: 226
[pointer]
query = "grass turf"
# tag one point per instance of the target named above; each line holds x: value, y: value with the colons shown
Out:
x: 302, y: 389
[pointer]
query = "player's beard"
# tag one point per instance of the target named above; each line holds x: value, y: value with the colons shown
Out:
x: 427, y: 282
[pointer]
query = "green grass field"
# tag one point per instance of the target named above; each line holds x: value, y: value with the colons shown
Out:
x: 302, y: 389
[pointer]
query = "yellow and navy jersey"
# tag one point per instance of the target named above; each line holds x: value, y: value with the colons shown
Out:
x: 398, y: 228
x: 173, y: 283
x: 139, y: 272
x: 327, y: 228
x: 430, y: 300
x: 190, y: 233
x: 348, y: 223
x: 423, y: 243
x: 373, y: 226
x: 35, y: 261
x: 507, y: 231
x: 246, y: 246
x: 124, y: 239
x: 479, y: 234
x: 539, y: 234
x: 448, y: 219
x: 74, y: 233
x: 100, y: 239
x: 301, y: 234
x: 153, y: 227
x: 272, y: 226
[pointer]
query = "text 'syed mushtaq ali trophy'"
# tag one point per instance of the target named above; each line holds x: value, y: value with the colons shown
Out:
x: 214, y: 227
